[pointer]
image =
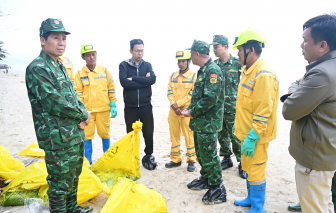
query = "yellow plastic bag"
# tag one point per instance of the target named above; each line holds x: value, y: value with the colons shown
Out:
x: 10, y: 168
x: 33, y: 150
x: 128, y: 196
x: 122, y: 159
x: 32, y: 183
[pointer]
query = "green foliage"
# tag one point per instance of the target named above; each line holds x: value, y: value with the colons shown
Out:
x: 3, y: 52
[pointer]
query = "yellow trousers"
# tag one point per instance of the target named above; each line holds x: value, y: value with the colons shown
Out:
x: 255, y: 166
x: 102, y: 121
x: 176, y: 124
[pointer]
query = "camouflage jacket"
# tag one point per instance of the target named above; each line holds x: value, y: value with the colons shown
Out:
x: 207, y: 101
x: 55, y: 105
x: 231, y: 74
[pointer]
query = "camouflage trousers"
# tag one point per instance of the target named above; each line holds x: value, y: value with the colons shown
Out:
x: 64, y: 167
x: 206, y: 152
x: 226, y: 138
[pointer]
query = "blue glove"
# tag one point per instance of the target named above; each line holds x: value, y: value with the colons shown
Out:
x: 113, y: 109
x: 233, y: 129
x: 249, y: 143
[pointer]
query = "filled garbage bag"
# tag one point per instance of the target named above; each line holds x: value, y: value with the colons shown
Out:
x: 122, y: 159
x: 33, y: 150
x: 32, y: 183
x: 129, y: 196
x: 10, y: 168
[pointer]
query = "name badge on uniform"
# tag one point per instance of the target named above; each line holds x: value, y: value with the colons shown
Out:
x: 189, y: 79
x: 101, y: 73
x: 213, y: 78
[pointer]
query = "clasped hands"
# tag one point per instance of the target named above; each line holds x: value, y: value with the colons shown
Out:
x: 180, y: 110
x: 82, y: 124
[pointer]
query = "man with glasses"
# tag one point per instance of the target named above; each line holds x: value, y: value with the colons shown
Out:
x: 230, y: 66
x: 96, y: 88
x: 136, y: 77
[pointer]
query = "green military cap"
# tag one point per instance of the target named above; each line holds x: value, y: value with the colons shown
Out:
x: 201, y: 47
x: 219, y: 39
x: 51, y: 24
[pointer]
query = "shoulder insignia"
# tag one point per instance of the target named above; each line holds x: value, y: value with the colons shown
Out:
x: 213, y: 78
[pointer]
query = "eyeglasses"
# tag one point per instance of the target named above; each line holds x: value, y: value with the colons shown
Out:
x: 139, y: 51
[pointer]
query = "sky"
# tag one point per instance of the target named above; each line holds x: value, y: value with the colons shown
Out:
x: 165, y: 27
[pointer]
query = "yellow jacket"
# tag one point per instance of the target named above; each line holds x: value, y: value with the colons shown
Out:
x: 180, y: 89
x: 96, y: 89
x: 68, y: 66
x: 257, y: 101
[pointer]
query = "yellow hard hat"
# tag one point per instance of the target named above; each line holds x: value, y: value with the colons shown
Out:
x: 183, y: 55
x: 250, y: 34
x: 86, y: 48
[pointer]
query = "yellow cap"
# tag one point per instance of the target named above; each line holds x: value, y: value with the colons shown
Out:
x: 86, y: 48
x: 250, y: 34
x: 183, y: 55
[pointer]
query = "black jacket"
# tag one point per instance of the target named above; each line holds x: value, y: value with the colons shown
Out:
x: 138, y: 91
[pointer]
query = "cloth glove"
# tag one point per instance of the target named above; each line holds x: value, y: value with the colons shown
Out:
x: 249, y: 143
x: 113, y: 109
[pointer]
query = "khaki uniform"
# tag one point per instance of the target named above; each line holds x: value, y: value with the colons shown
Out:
x: 180, y: 90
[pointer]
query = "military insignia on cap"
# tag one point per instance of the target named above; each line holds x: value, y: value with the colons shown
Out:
x: 56, y: 22
x: 213, y: 78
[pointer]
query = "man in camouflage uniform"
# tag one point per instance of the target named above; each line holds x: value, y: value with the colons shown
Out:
x: 230, y: 67
x: 59, y: 118
x: 206, y: 110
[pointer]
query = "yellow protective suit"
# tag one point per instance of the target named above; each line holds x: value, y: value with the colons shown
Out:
x: 68, y: 66
x: 180, y: 90
x: 257, y: 101
x: 96, y: 89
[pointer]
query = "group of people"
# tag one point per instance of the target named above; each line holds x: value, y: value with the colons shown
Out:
x: 229, y: 100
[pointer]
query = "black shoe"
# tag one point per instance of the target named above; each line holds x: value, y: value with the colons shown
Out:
x: 199, y: 183
x: 226, y: 162
x: 216, y: 194
x: 295, y: 207
x: 191, y: 166
x: 241, y: 172
x: 171, y: 164
x: 148, y: 161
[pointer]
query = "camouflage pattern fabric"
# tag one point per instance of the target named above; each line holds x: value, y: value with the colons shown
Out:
x: 64, y: 167
x: 201, y: 47
x: 206, y: 105
x: 207, y: 109
x: 206, y: 151
x: 54, y: 25
x: 226, y: 138
x: 219, y: 39
x: 231, y: 74
x: 55, y: 105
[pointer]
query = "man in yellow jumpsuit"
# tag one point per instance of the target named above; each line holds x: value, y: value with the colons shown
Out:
x: 180, y: 88
x: 95, y: 87
x: 256, y: 115
x: 68, y: 66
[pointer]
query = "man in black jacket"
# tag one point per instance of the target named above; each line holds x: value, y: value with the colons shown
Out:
x: 136, y: 77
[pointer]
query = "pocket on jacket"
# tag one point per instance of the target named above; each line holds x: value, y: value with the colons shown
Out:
x: 68, y: 131
x: 102, y: 84
x: 247, y: 99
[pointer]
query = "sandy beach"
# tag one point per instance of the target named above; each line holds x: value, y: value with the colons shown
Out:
x: 17, y: 131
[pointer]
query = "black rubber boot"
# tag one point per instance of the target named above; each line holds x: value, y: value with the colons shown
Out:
x: 216, y: 194
x: 172, y: 164
x: 295, y: 207
x: 241, y: 172
x: 191, y: 166
x: 148, y: 161
x: 199, y: 183
x: 226, y: 162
